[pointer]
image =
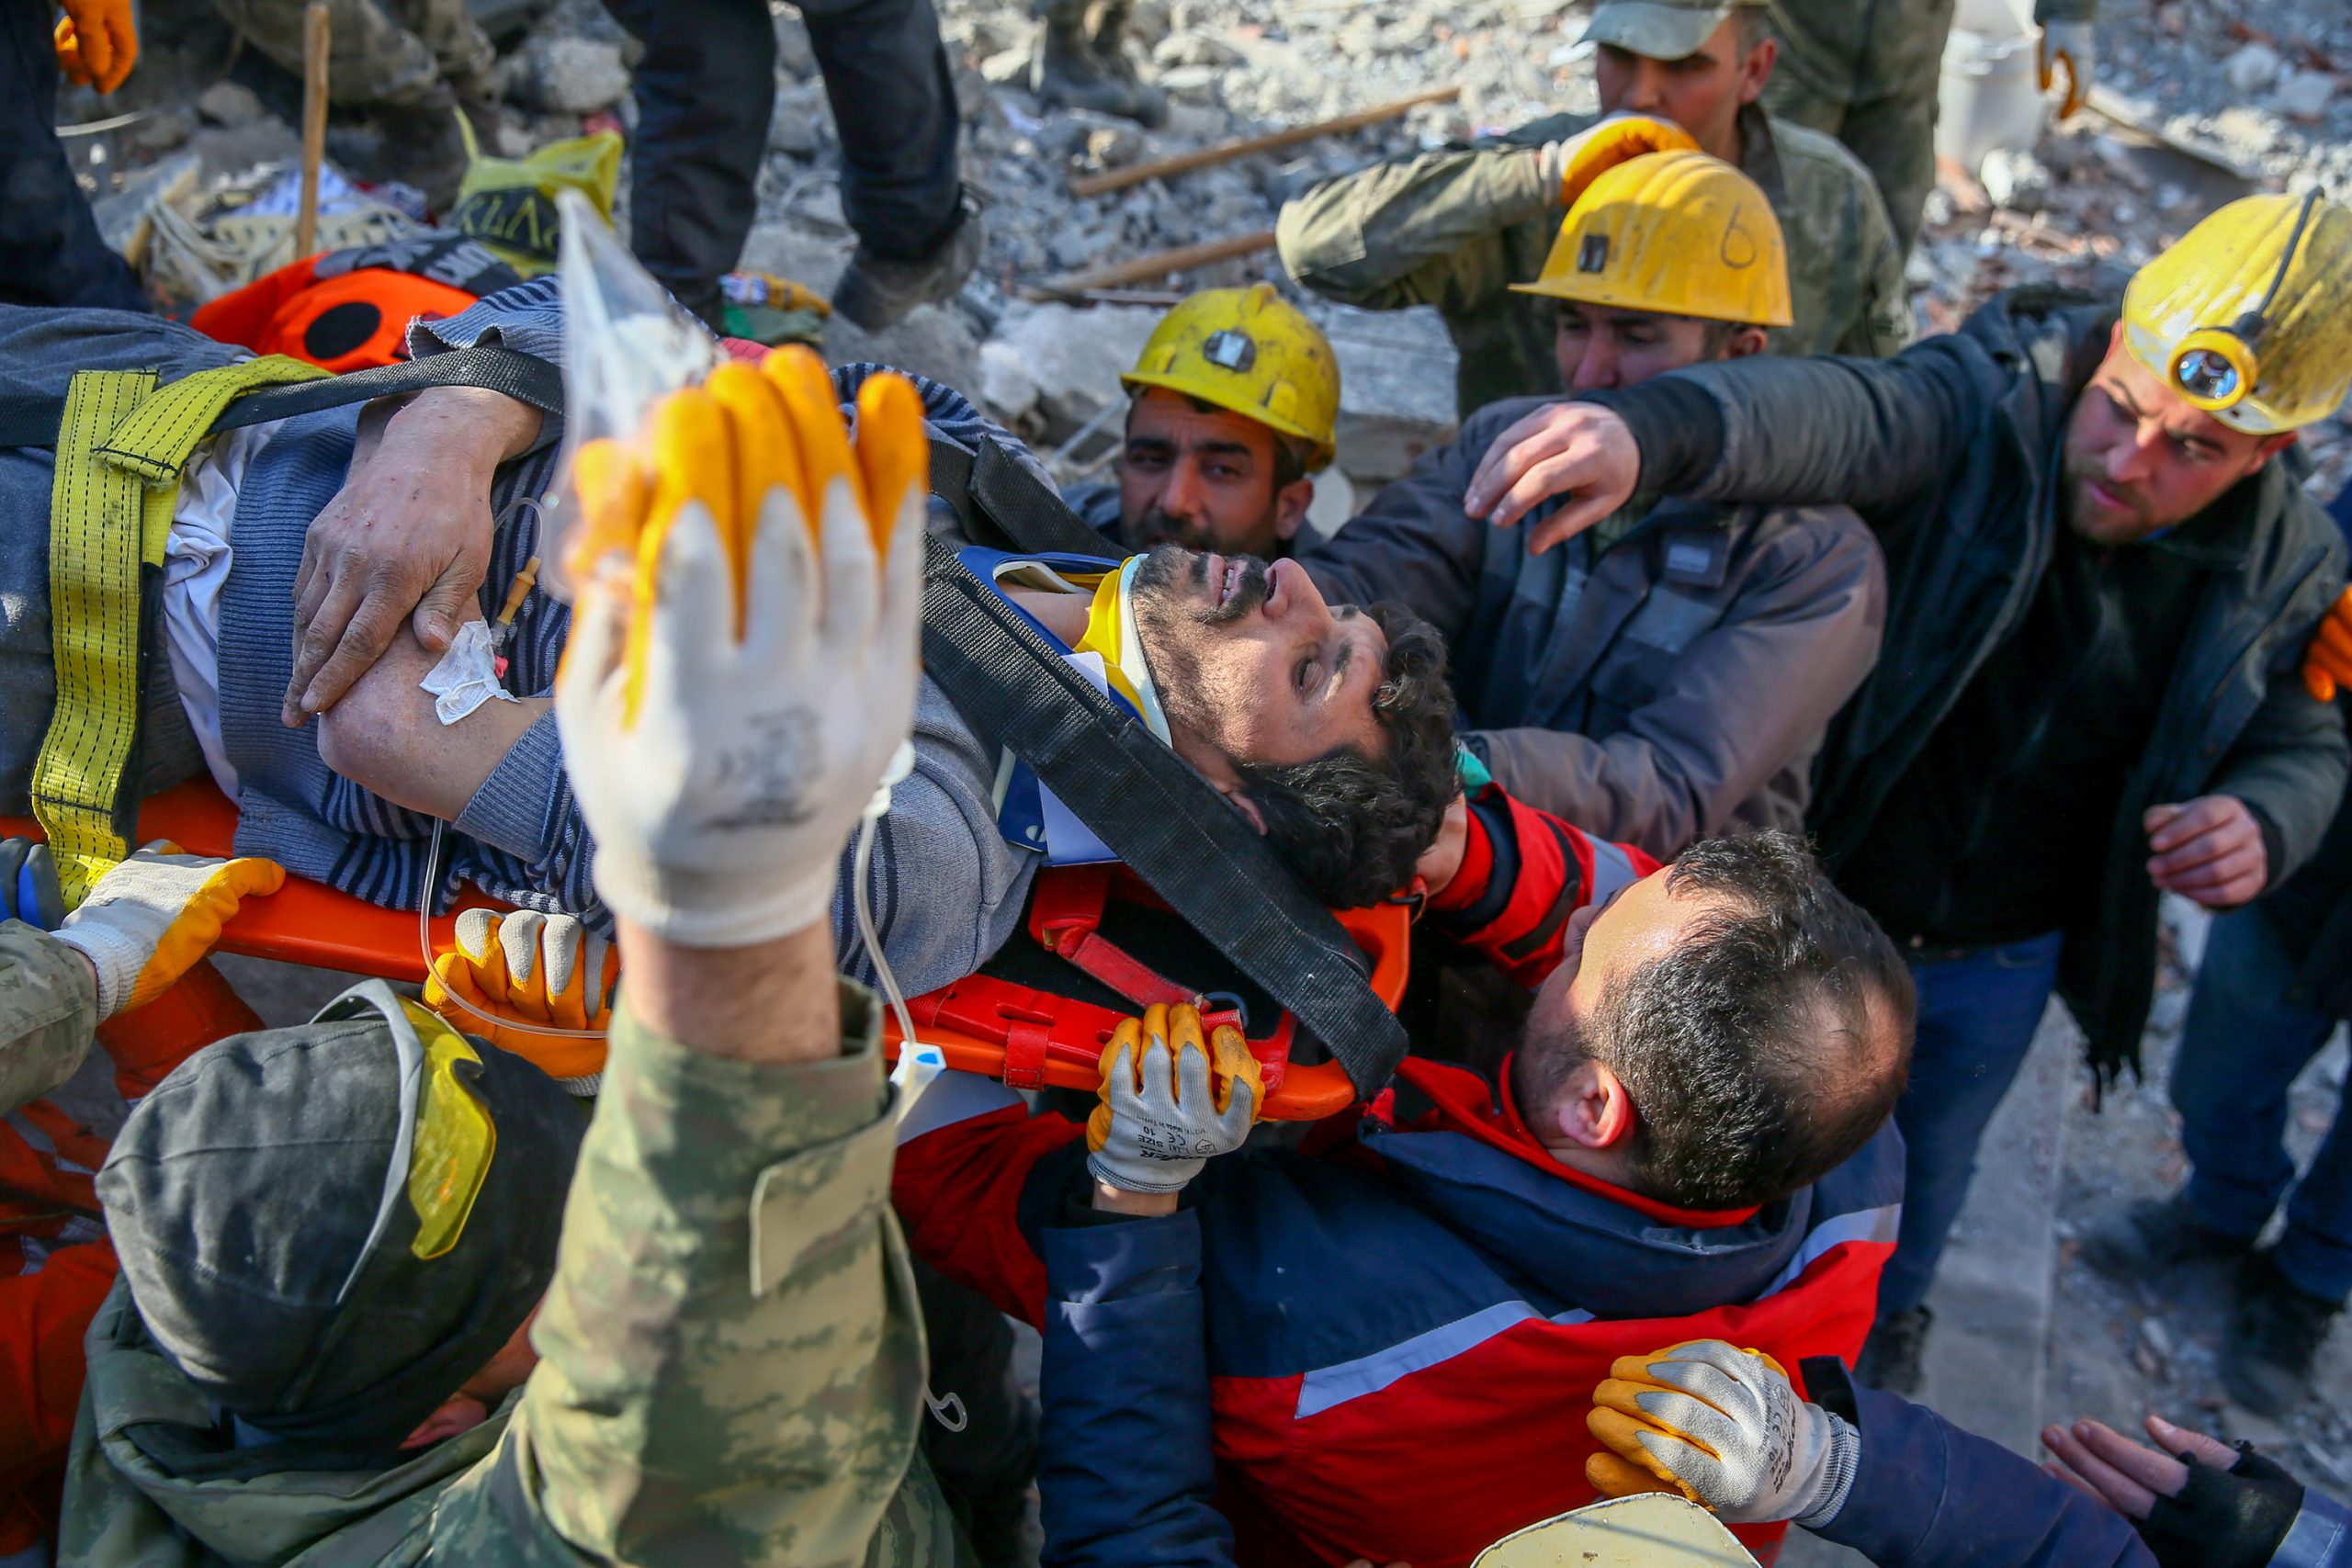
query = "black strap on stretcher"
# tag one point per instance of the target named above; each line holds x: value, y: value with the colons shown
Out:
x: 1164, y: 821
x: 28, y: 420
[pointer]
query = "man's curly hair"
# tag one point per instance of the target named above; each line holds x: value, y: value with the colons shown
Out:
x: 1351, y: 826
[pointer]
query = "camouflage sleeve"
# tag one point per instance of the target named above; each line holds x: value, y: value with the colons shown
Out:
x: 1423, y: 230
x: 732, y: 1359
x: 1883, y: 322
x: 48, y: 1013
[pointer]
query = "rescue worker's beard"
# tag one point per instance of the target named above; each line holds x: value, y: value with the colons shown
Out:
x: 2100, y: 525
x: 1155, y: 528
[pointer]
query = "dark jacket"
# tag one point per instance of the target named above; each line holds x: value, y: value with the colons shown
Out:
x: 1668, y: 675
x: 1951, y: 451
x: 1927, y: 1494
x: 2311, y: 912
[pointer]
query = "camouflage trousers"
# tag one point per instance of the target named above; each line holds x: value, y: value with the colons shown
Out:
x: 392, y: 54
x: 1865, y: 71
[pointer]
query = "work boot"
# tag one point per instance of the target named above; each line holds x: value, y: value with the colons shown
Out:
x: 2275, y: 1338
x: 1895, y: 1357
x: 424, y: 146
x: 1107, y: 42
x: 1068, y: 70
x: 2152, y: 1236
x: 874, y: 291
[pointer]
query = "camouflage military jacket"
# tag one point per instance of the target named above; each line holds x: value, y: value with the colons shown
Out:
x: 48, y: 1013
x: 732, y: 1372
x: 1456, y: 228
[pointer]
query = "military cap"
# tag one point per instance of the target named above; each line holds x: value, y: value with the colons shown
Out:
x: 1662, y: 30
x: 328, y: 1229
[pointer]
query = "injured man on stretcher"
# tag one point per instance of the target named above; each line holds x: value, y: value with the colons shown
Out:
x: 1329, y: 727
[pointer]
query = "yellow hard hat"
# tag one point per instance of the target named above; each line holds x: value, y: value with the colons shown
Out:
x: 1251, y: 352
x: 1679, y: 234
x: 2249, y: 316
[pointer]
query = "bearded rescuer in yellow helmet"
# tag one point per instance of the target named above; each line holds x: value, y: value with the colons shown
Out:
x: 1232, y: 408
x: 1671, y: 673
x: 2104, y: 575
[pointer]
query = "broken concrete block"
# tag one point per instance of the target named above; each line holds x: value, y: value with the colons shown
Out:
x: 2304, y: 95
x: 1395, y: 387
x: 2252, y: 69
x: 1073, y: 357
x: 577, y: 76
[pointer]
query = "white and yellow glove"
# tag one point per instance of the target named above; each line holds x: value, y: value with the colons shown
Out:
x: 1570, y: 164
x: 2073, y: 45
x: 150, y: 917
x: 743, y: 654
x: 1169, y: 1100
x: 1724, y: 1428
x: 529, y: 968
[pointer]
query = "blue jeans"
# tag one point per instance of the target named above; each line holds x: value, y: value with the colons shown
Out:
x: 2243, y: 1046
x: 1977, y: 1016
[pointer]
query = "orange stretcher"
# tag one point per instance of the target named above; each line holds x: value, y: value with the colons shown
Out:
x: 1028, y: 1036
x: 304, y: 922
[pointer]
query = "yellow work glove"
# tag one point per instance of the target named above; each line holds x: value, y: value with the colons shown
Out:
x: 1575, y: 163
x: 532, y: 968
x: 2073, y: 45
x: 742, y: 662
x: 2327, y: 662
x: 1170, y: 1102
x: 150, y: 917
x: 96, y: 43
x: 1725, y: 1428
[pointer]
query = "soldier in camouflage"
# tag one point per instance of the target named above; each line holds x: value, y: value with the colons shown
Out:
x: 360, y: 1324
x: 1866, y: 71
x: 1457, y: 227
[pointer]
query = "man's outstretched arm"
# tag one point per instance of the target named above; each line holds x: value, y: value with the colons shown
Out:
x: 732, y: 1358
x: 1868, y: 433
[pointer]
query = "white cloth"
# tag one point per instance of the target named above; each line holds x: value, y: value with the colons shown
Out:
x: 195, y: 568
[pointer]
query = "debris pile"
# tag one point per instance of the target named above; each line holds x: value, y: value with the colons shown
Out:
x: 2197, y: 104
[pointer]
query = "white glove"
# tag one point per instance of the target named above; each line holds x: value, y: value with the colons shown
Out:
x: 734, y: 687
x: 2076, y: 46
x: 1166, y: 1106
x: 1724, y: 1428
x: 150, y: 917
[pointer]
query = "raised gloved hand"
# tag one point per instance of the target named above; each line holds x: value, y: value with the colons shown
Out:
x: 1724, y: 1428
x: 28, y: 885
x: 1575, y: 162
x: 742, y: 661
x: 2327, y: 662
x: 2073, y: 45
x: 546, y: 969
x: 98, y: 43
x: 150, y: 917
x: 1170, y: 1101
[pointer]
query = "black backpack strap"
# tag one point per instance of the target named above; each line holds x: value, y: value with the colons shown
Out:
x: 1003, y: 505
x: 32, y: 421
x: 1152, y: 811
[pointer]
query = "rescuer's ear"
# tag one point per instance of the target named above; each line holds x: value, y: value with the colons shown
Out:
x: 1592, y: 1109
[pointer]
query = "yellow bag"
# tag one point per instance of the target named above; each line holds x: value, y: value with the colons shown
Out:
x: 509, y: 204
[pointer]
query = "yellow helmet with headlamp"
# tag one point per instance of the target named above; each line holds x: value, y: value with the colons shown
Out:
x: 2249, y: 316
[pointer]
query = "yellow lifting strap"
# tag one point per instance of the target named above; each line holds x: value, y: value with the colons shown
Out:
x: 120, y: 450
